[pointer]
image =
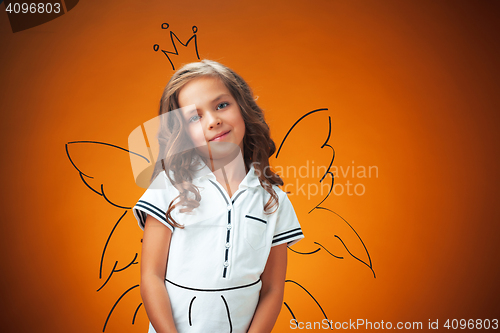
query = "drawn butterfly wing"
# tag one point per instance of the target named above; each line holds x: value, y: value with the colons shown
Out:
x: 329, y: 238
x: 326, y: 230
x: 105, y: 170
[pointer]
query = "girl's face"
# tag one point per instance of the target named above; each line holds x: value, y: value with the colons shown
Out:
x: 213, y: 117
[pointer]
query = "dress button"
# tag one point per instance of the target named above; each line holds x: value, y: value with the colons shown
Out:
x: 229, y: 226
x: 229, y: 207
x: 226, y: 263
x: 228, y: 245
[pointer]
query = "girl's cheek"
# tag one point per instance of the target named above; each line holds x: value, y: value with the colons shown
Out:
x: 198, y: 137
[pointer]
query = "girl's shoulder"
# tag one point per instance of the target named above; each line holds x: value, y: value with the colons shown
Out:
x: 281, y: 194
x: 279, y: 191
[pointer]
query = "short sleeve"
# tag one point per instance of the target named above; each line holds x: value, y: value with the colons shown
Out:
x: 154, y: 202
x: 287, y: 228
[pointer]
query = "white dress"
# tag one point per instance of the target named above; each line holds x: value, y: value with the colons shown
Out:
x: 216, y: 260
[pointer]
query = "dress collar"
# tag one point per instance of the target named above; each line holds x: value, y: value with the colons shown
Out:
x: 251, y: 179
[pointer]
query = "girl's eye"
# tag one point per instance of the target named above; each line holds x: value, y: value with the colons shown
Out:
x: 194, y: 118
x: 222, y: 105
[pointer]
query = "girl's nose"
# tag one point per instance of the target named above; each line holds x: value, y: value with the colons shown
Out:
x: 213, y: 120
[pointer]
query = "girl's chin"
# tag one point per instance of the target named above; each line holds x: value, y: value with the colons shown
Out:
x: 219, y: 150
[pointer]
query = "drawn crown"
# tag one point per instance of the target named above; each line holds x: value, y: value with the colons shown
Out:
x: 173, y: 38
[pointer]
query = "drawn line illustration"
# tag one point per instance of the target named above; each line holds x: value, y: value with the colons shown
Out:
x: 312, y: 297
x: 173, y: 36
x: 326, y: 144
x: 116, y: 303
x: 328, y: 172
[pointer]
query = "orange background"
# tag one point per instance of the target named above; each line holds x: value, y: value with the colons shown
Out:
x: 410, y: 86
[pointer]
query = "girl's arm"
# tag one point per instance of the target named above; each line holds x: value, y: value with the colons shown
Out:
x: 155, y: 247
x: 271, y: 294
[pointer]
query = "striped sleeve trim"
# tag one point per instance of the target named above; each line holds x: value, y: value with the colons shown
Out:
x: 142, y: 208
x: 288, y: 236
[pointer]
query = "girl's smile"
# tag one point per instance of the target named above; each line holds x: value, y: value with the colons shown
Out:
x: 220, y: 137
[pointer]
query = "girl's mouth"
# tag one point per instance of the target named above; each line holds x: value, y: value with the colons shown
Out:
x: 220, y: 137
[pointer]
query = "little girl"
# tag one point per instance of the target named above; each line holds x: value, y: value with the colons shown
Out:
x: 216, y: 224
